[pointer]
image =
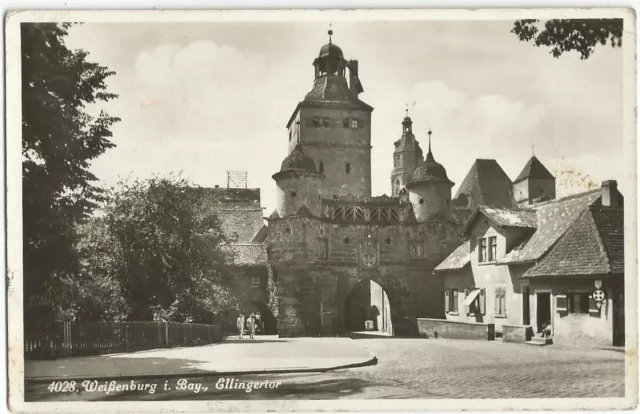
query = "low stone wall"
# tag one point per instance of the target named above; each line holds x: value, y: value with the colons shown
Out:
x: 516, y: 333
x: 442, y: 328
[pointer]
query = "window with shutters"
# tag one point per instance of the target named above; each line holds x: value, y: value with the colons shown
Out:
x: 578, y: 302
x: 500, y: 301
x: 355, y: 123
x: 451, y: 300
x: 475, y: 301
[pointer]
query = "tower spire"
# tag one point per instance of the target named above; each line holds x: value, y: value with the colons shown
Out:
x: 330, y: 33
x: 429, y: 139
x: 406, y: 109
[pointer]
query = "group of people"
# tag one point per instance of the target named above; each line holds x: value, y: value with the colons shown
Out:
x: 251, y: 325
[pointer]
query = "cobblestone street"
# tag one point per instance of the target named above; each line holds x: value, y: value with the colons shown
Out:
x: 414, y: 368
x: 478, y: 369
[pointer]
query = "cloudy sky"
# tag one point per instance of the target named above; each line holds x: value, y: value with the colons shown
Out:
x: 207, y: 98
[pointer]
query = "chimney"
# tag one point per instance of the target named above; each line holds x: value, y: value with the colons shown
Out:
x: 610, y: 193
x: 217, y: 186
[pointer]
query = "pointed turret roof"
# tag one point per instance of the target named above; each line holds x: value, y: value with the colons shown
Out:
x: 534, y: 169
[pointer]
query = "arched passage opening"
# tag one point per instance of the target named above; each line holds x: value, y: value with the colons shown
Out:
x: 266, y: 323
x: 367, y: 308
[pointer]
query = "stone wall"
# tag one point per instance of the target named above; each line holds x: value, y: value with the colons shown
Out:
x: 516, y: 333
x: 441, y: 328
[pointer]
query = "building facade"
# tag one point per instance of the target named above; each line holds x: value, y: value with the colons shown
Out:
x: 344, y: 260
x: 557, y: 262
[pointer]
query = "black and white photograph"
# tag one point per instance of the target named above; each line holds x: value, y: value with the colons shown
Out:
x: 321, y: 210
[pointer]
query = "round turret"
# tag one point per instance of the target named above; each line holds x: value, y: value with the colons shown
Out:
x: 299, y: 185
x: 430, y: 189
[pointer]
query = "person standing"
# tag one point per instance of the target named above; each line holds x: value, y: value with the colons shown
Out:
x: 252, y: 326
x: 240, y: 325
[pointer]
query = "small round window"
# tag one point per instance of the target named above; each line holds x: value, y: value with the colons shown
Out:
x: 421, y: 201
x: 347, y: 241
x: 287, y: 230
x: 388, y: 241
x: 293, y: 194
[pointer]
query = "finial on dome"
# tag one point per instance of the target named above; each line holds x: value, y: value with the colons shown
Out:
x: 330, y: 33
x: 406, y: 109
x: 429, y: 139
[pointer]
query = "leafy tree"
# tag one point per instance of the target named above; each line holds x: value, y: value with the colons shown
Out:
x: 168, y: 256
x: 59, y: 139
x: 564, y: 35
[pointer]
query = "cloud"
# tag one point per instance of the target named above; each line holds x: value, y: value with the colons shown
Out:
x: 468, y: 127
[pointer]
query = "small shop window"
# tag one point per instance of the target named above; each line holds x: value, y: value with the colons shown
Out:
x: 578, y: 302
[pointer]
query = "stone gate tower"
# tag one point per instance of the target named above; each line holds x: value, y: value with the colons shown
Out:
x: 334, y: 126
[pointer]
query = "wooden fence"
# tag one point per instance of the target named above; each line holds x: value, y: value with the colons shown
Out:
x: 63, y: 339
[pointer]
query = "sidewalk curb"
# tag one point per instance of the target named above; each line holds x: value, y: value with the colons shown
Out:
x: 373, y: 360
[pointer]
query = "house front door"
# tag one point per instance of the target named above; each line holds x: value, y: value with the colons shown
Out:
x: 543, y: 309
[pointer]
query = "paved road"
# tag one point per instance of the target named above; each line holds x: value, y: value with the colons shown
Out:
x: 407, y: 368
x: 232, y: 355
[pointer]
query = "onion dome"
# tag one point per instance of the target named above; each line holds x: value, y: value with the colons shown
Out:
x: 298, y: 161
x: 430, y: 170
x: 330, y: 49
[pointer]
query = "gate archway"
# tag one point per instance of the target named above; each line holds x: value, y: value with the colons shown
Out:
x: 367, y: 308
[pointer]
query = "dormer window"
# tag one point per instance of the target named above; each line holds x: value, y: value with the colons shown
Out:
x: 488, y: 249
x: 482, y: 250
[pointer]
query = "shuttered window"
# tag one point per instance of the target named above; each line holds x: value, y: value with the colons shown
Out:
x: 561, y: 303
x: 451, y: 300
x: 579, y: 302
x: 500, y: 294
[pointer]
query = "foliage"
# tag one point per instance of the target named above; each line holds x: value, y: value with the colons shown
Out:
x: 563, y: 35
x: 167, y: 255
x: 272, y: 292
x: 59, y: 139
